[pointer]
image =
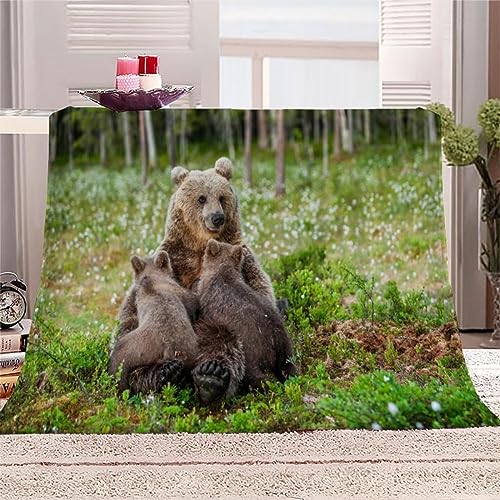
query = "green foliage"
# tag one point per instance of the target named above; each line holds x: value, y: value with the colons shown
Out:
x: 445, y: 114
x: 461, y: 145
x: 373, y: 260
x: 489, y: 120
x: 310, y: 258
x: 381, y: 401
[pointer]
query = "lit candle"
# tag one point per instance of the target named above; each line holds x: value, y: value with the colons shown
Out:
x: 148, y: 65
x: 127, y: 66
x: 128, y: 82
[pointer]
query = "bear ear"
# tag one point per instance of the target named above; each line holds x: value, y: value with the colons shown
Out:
x: 138, y: 264
x: 213, y: 248
x: 223, y: 166
x: 237, y: 253
x: 178, y: 174
x: 162, y: 261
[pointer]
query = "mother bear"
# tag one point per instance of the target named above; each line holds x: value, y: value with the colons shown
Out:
x: 203, y: 206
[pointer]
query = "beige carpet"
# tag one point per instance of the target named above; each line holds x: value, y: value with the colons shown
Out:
x: 484, y: 370
x: 322, y: 464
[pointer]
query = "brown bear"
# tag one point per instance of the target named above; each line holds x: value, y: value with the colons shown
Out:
x: 228, y: 301
x: 163, y: 346
x: 204, y: 206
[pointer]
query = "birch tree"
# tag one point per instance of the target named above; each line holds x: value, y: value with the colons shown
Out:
x: 228, y: 132
x: 183, y: 136
x: 324, y: 123
x: 280, y: 153
x: 367, y: 126
x: 150, y: 136
x: 142, y: 142
x: 262, y: 129
x: 336, y: 133
x: 127, y: 146
x: 248, y: 147
x: 171, y: 137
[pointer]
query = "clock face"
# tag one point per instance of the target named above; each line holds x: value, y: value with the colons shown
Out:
x: 12, y: 307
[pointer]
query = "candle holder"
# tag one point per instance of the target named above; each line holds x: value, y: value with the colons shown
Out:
x: 136, y: 100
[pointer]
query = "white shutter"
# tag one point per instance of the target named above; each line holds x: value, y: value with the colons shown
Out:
x: 128, y: 26
x: 415, y: 52
x: 73, y: 44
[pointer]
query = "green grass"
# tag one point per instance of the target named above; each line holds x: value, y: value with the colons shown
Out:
x: 360, y: 256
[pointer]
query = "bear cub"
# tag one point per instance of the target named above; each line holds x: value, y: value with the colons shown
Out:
x: 163, y: 347
x: 250, y: 322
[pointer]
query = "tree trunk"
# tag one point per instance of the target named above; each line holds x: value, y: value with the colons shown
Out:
x: 274, y: 138
x: 150, y: 136
x: 336, y: 133
x: 399, y: 126
x: 70, y: 138
x: 426, y: 137
x: 432, y: 128
x: 183, y: 138
x: 306, y: 134
x: 102, y: 139
x: 53, y: 138
x: 280, y: 153
x: 366, y: 126
x: 228, y: 132
x: 142, y: 141
x: 350, y: 131
x: 358, y: 128
x: 110, y: 135
x: 316, y: 134
x: 171, y: 139
x: 248, y: 148
x: 413, y: 115
x: 126, y: 139
x: 324, y: 123
x: 346, y: 132
x: 262, y: 129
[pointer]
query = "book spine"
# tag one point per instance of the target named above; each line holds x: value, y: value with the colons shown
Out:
x: 11, y: 362
x: 13, y: 342
x: 7, y: 385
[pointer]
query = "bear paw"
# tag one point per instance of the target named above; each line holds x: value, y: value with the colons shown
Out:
x: 171, y: 371
x: 211, y: 380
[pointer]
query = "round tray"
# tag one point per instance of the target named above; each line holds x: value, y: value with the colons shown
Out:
x: 137, y: 100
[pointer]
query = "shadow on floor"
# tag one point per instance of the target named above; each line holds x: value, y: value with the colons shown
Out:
x: 471, y: 340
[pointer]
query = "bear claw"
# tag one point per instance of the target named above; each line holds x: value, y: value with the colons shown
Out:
x: 171, y: 372
x: 211, y: 380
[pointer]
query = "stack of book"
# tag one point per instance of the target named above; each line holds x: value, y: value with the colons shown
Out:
x: 13, y: 342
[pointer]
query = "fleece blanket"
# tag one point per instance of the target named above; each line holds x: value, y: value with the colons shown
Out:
x: 222, y: 271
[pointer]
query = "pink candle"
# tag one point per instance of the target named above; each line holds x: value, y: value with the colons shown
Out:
x: 127, y: 82
x: 127, y: 66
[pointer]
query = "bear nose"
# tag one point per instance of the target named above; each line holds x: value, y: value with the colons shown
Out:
x: 218, y: 219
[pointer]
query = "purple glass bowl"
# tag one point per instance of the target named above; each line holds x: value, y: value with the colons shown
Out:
x: 137, y: 100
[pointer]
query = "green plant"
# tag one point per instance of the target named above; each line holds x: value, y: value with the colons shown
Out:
x: 461, y: 148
